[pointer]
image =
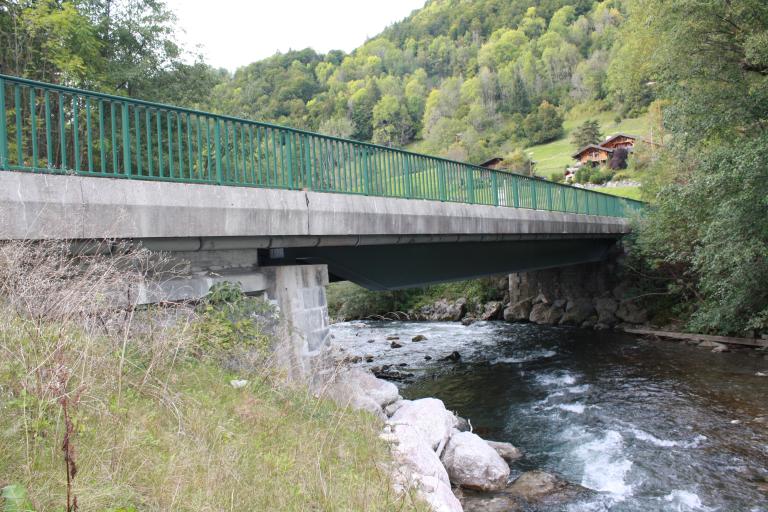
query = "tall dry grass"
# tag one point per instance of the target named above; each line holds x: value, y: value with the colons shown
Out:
x: 120, y: 401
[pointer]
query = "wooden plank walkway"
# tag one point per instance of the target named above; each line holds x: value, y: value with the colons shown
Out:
x: 752, y: 342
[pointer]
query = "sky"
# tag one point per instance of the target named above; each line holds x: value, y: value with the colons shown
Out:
x: 233, y: 33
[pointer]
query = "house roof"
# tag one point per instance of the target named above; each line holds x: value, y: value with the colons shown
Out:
x: 625, y: 135
x: 591, y: 146
x: 492, y: 161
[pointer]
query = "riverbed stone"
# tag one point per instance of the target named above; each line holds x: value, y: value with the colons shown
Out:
x: 444, y: 311
x: 547, y: 314
x: 606, y: 308
x: 492, y: 311
x: 390, y: 409
x: 506, y: 451
x: 518, y: 312
x: 473, y: 464
x: 539, y: 486
x: 578, y: 311
x: 429, y: 417
x: 631, y: 312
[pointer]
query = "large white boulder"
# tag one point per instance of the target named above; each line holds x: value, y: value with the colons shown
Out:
x: 430, y: 417
x: 359, y: 389
x: 411, y: 450
x: 437, y: 494
x: 473, y: 464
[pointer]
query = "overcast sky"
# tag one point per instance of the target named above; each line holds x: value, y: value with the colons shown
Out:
x: 234, y: 33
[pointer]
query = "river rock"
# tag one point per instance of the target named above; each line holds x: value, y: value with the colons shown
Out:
x: 395, y: 344
x: 429, y: 417
x: 539, y: 486
x: 360, y: 389
x: 715, y: 346
x: 606, y: 311
x: 548, y: 314
x: 518, y: 312
x: 630, y: 312
x: 439, y: 496
x: 577, y: 311
x: 492, y: 311
x: 418, y: 337
x: 468, y: 320
x: 411, y: 449
x: 393, y: 407
x: 444, y: 311
x: 506, y: 451
x: 473, y: 464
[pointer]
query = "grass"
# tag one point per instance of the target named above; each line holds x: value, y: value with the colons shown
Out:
x: 629, y: 192
x: 554, y: 156
x: 155, y: 423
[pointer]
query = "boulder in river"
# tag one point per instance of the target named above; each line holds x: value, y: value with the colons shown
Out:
x: 444, y: 311
x: 492, y: 311
x: 472, y: 463
x: 429, y: 417
x: 577, y: 311
x: 606, y: 310
x: 548, y: 314
x: 395, y: 344
x: 506, y: 451
x: 628, y: 311
x: 418, y: 337
x: 518, y: 312
x: 539, y: 486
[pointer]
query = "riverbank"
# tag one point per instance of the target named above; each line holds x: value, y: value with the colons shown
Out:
x: 176, y: 407
x: 645, y: 425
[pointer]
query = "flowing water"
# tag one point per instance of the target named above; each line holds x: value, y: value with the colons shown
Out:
x: 650, y: 425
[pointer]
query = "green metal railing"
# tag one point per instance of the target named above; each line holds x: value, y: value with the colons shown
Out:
x: 54, y: 129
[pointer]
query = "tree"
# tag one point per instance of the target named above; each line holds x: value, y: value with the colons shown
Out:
x: 587, y: 133
x: 618, y: 159
x: 391, y: 122
x: 544, y: 125
x: 707, y: 235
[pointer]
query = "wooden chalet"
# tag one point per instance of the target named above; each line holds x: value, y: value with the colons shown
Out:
x: 494, y: 163
x: 593, y: 155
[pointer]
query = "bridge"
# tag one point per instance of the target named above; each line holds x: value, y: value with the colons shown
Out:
x: 276, y: 208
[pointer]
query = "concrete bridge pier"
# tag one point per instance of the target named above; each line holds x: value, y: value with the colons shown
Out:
x: 299, y: 291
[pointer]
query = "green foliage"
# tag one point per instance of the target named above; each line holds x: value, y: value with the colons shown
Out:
x: 16, y: 499
x: 348, y: 301
x: 593, y: 175
x: 230, y: 320
x: 545, y: 124
x: 587, y: 133
x: 707, y: 237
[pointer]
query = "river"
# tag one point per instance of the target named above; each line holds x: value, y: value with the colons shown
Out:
x: 650, y: 425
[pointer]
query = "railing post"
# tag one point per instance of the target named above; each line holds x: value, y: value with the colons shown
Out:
x: 366, y: 178
x: 470, y: 186
x: 495, y: 187
x: 516, y: 191
x: 407, y: 175
x: 550, y: 199
x: 217, y: 137
x: 534, y: 195
x: 441, y: 180
x: 3, y: 130
x: 126, y: 141
x: 307, y: 162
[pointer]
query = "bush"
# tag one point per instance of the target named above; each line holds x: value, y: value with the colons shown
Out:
x: 235, y: 329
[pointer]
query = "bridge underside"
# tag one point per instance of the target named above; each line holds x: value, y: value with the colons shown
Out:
x: 388, y: 267
x: 378, y: 242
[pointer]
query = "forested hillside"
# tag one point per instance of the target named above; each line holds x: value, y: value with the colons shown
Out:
x: 473, y: 79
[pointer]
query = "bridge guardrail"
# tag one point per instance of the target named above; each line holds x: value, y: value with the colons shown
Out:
x: 54, y: 129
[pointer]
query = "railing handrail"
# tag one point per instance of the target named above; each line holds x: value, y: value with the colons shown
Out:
x: 234, y: 119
